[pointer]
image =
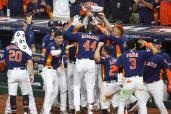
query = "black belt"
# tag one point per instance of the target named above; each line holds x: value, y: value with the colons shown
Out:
x: 86, y: 58
x: 73, y: 62
x: 149, y: 82
x: 21, y: 68
x: 110, y: 81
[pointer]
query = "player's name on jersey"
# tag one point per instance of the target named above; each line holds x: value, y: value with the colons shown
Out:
x: 89, y: 36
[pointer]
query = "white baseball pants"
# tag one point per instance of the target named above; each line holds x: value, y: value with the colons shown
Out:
x: 70, y: 76
x: 85, y: 70
x: 50, y: 79
x: 32, y: 105
x: 156, y: 89
x: 132, y: 85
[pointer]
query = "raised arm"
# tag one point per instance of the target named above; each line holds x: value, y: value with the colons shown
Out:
x: 68, y: 33
x: 97, y: 52
x: 106, y: 22
x: 148, y: 45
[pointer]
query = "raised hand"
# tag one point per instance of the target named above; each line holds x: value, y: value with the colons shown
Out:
x: 76, y: 20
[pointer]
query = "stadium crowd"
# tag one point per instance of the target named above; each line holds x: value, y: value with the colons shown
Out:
x: 147, y: 12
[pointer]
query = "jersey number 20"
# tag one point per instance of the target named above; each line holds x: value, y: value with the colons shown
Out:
x: 15, y: 55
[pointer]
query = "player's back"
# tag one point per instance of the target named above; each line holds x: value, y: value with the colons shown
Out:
x: 153, y: 68
x: 133, y: 61
x: 107, y: 73
x: 87, y: 45
x: 15, y: 58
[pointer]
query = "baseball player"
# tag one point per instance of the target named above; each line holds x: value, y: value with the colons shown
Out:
x: 29, y: 34
x: 63, y: 82
x: 154, y: 84
x: 27, y: 27
x: 53, y: 70
x: 71, y: 52
x: 85, y: 64
x: 158, y: 44
x: 109, y: 85
x: 117, y: 39
x: 115, y: 35
x: 18, y: 56
x: 133, y: 64
x: 48, y: 38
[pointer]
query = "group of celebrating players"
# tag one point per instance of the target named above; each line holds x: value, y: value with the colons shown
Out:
x: 103, y: 68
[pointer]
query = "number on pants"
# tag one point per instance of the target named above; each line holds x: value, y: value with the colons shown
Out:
x: 15, y: 55
x: 133, y: 63
x: 89, y: 46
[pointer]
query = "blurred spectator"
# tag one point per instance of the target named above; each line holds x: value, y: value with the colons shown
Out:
x: 4, y: 5
x: 74, y: 8
x: 50, y: 2
x: 135, y: 19
x: 29, y: 33
x: 26, y: 2
x: 1, y: 8
x: 107, y: 9
x: 120, y: 10
x: 165, y: 12
x: 61, y: 9
x: 16, y: 7
x: 146, y: 11
x: 38, y: 8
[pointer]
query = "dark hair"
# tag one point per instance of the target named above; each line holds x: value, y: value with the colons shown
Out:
x: 131, y: 44
x: 90, y: 27
x: 108, y: 50
x: 58, y: 33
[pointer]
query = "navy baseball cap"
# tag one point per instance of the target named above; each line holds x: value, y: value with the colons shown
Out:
x: 51, y: 23
x: 52, y: 29
x: 58, y: 23
x: 157, y: 41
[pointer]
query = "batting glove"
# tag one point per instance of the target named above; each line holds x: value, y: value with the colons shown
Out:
x: 76, y: 20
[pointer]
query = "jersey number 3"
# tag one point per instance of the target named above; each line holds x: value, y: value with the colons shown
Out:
x: 15, y: 55
x: 87, y: 45
x: 133, y: 63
